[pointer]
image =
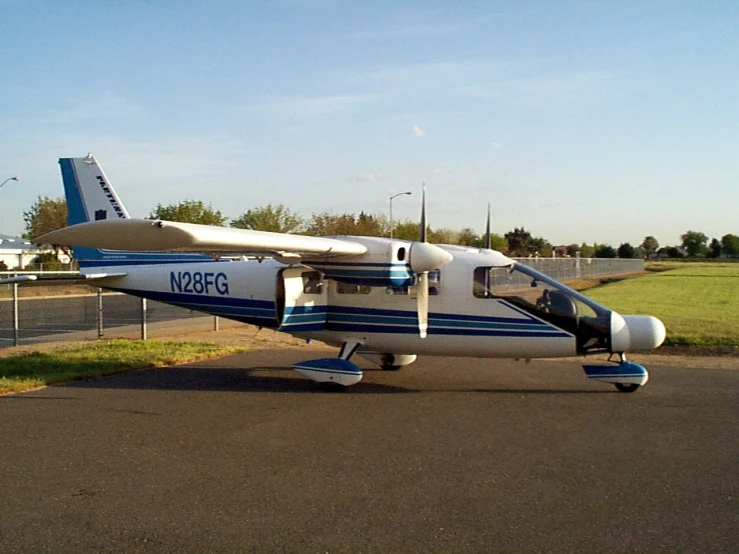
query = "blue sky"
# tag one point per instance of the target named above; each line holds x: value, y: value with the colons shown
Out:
x: 593, y: 121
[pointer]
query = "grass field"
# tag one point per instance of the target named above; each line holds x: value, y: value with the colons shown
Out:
x: 699, y: 304
x: 37, y: 369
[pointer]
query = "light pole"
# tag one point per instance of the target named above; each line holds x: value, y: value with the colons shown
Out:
x: 391, y: 210
x: 1, y: 213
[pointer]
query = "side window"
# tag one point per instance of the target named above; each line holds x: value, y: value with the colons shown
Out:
x: 434, y: 285
x: 396, y: 290
x: 401, y: 254
x: 481, y: 286
x: 312, y: 282
x: 489, y: 282
x: 434, y: 282
x: 345, y: 288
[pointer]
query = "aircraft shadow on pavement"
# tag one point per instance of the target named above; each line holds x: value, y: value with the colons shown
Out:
x: 274, y: 379
x: 259, y: 379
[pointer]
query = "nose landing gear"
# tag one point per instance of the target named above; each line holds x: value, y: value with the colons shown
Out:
x: 626, y: 376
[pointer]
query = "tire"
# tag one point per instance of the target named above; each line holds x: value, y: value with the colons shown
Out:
x: 626, y: 387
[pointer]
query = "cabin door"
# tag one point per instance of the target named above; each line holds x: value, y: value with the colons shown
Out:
x: 301, y: 300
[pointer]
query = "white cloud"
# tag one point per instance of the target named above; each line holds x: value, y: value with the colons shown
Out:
x: 420, y: 133
x: 367, y: 178
x: 496, y: 145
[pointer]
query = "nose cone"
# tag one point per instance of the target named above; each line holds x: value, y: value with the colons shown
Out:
x: 630, y: 333
x: 428, y: 257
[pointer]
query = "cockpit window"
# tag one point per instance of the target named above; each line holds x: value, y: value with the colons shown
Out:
x: 547, y: 299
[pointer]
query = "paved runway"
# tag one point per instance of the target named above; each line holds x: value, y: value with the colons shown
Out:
x: 447, y: 455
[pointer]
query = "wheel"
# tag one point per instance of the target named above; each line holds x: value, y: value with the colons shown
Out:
x: 330, y: 386
x: 626, y: 387
x: 388, y: 363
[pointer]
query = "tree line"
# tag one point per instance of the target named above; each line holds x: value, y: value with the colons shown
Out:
x: 48, y: 214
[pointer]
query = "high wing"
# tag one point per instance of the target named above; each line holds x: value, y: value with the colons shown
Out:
x: 158, y: 235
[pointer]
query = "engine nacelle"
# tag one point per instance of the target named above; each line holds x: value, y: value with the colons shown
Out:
x: 386, y: 263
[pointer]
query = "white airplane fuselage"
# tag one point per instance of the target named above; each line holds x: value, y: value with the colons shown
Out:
x: 273, y: 295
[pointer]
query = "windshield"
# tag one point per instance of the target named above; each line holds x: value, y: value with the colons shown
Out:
x: 549, y: 300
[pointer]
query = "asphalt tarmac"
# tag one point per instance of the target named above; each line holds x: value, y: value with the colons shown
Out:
x: 447, y: 455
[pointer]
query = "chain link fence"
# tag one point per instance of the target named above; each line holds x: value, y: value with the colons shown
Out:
x: 84, y: 315
x: 572, y: 269
x: 40, y: 314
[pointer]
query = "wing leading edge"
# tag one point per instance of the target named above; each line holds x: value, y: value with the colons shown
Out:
x: 157, y: 235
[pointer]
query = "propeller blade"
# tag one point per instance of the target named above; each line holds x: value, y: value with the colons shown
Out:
x: 423, y: 213
x: 488, y: 236
x: 422, y: 297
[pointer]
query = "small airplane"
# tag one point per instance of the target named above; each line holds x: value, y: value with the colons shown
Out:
x: 387, y: 300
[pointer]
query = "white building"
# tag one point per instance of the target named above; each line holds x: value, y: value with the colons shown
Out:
x: 17, y: 252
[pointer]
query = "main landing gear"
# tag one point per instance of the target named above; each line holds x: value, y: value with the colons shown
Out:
x: 626, y: 376
x: 333, y: 374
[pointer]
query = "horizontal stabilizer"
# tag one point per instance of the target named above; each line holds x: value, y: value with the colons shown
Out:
x: 156, y: 235
x: 59, y: 279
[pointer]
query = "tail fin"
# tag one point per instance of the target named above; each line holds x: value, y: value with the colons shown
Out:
x: 91, y: 197
x: 89, y: 194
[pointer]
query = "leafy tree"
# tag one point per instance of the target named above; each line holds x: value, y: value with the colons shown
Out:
x: 541, y: 246
x: 714, y: 249
x: 442, y: 236
x: 276, y: 219
x: 694, y: 243
x: 44, y: 216
x: 671, y: 252
x: 587, y: 251
x: 605, y: 251
x: 650, y: 246
x: 327, y: 224
x: 468, y: 237
x: 45, y: 262
x: 730, y: 245
x: 189, y: 211
x: 572, y: 249
x: 371, y: 225
x: 520, y: 242
x: 497, y: 242
x: 626, y: 251
x: 407, y: 230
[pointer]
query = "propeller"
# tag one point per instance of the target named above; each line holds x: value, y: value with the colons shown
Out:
x: 488, y: 236
x: 425, y: 257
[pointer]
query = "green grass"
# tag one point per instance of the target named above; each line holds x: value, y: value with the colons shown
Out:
x: 699, y: 304
x: 37, y: 369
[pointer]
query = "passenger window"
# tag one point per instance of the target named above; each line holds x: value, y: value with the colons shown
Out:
x: 346, y: 288
x: 401, y: 253
x: 434, y: 284
x: 312, y: 282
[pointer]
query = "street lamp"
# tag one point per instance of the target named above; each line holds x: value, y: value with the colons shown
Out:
x: 391, y: 210
x: 1, y: 214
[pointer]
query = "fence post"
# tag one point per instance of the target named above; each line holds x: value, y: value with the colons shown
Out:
x: 216, y: 323
x: 143, y: 319
x: 100, y: 313
x: 16, y: 321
